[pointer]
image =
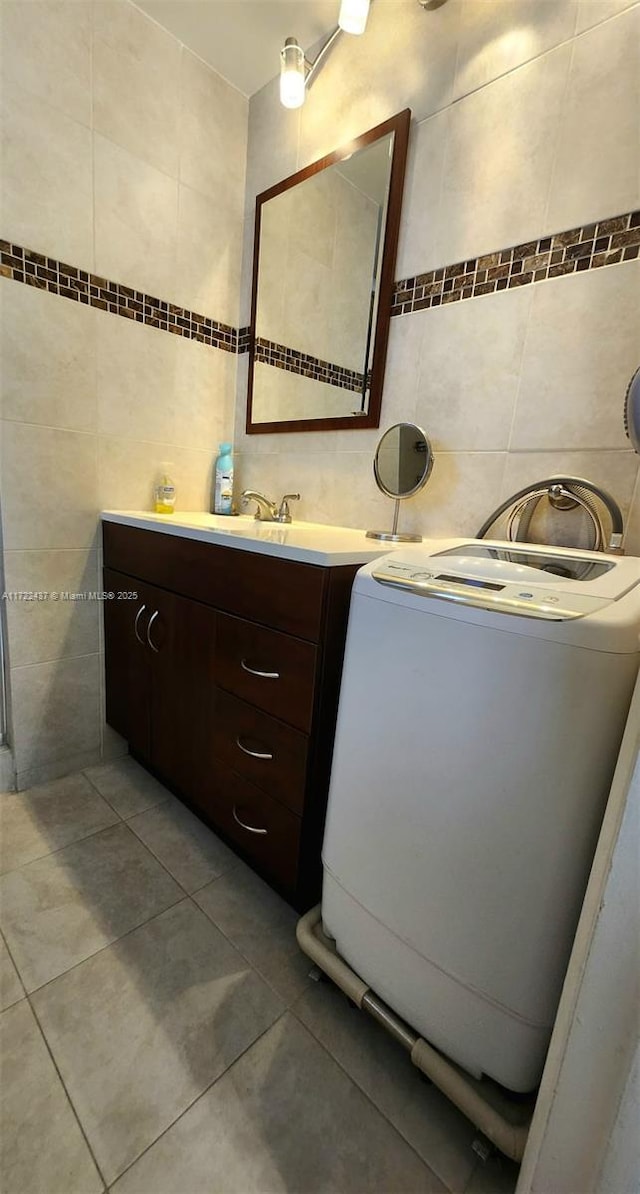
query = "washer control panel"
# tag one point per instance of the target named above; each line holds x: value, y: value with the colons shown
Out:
x: 504, y: 595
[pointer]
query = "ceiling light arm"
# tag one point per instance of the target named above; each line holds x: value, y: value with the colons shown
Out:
x: 313, y: 67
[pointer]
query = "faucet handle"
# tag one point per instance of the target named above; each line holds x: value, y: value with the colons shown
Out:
x: 284, y: 513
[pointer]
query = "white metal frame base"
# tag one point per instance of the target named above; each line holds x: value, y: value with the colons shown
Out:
x: 510, y: 1138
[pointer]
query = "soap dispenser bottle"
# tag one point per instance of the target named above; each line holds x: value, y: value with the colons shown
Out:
x: 223, y: 492
x: 165, y: 491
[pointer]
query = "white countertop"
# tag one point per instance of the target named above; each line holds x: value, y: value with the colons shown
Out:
x: 306, y: 542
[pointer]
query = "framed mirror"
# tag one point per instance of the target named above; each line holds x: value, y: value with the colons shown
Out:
x: 324, y: 257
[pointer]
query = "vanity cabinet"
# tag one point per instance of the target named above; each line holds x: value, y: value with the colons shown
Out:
x: 223, y: 675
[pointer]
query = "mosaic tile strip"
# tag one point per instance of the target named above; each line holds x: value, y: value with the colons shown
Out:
x: 45, y: 273
x: 605, y: 243
x: 289, y: 359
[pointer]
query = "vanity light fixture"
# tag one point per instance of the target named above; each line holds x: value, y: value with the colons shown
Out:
x: 296, y: 71
x: 353, y: 16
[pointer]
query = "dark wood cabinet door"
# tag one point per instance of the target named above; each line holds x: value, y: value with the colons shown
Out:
x: 182, y: 689
x: 126, y: 617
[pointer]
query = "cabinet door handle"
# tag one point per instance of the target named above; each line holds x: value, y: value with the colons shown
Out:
x: 135, y: 624
x: 254, y: 754
x: 249, y: 828
x: 256, y: 672
x: 149, y: 625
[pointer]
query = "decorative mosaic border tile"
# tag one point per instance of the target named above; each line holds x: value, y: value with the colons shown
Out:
x: 45, y: 273
x: 605, y: 243
x: 289, y: 359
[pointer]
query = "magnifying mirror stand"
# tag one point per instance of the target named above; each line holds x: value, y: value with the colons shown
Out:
x: 395, y: 536
x: 401, y: 466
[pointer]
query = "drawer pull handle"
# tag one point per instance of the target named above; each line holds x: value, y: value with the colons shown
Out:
x: 149, y: 625
x: 249, y: 828
x: 135, y: 624
x: 254, y: 754
x: 256, y: 672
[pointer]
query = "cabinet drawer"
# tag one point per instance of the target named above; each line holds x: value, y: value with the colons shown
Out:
x: 266, y: 668
x: 263, y: 750
x: 264, y: 830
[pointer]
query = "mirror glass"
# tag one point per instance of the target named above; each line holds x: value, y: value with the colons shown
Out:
x: 403, y: 460
x: 323, y: 273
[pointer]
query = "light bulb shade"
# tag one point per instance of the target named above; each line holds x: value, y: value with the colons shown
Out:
x: 292, y: 74
x: 353, y: 15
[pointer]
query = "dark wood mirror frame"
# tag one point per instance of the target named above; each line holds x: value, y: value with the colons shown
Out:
x: 399, y: 125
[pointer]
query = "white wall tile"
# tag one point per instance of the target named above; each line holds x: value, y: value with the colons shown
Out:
x: 246, y: 274
x: 213, y: 134
x: 421, y: 210
x: 136, y: 84
x: 592, y: 12
x: 128, y: 471
x: 596, y: 169
x: 400, y: 390
x: 406, y: 58
x: 581, y: 349
x: 209, y: 257
x: 496, y: 36
x: 203, y: 395
x: 272, y: 149
x: 136, y: 215
x: 56, y: 710
x: 498, y: 161
x: 615, y: 471
x: 49, y: 488
x: 46, y: 49
x: 134, y: 380
x: 44, y: 630
x: 462, y: 489
x: 46, y: 185
x: 632, y: 534
x: 466, y: 396
x: 47, y: 361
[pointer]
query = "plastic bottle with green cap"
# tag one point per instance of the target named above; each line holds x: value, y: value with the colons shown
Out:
x: 223, y: 490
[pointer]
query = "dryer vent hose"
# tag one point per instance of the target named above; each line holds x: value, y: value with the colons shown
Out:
x: 521, y: 506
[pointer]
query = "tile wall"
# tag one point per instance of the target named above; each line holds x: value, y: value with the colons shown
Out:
x: 123, y: 155
x: 526, y: 119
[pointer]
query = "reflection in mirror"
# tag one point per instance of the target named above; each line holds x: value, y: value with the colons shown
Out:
x: 323, y: 272
x: 402, y: 465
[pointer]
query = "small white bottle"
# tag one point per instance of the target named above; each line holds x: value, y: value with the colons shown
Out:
x: 223, y: 490
x: 165, y: 491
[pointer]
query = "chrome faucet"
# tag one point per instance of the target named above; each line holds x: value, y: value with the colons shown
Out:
x: 266, y: 510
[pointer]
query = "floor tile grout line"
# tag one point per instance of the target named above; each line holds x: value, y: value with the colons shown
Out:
x: 52, y: 853
x: 19, y: 976
x: 362, y: 1090
x: 68, y: 1096
x: 107, y: 945
x: 248, y: 960
x: 106, y: 798
x: 169, y: 797
x: 199, y: 1096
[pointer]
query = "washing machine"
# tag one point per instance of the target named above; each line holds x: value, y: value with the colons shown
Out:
x: 484, y: 696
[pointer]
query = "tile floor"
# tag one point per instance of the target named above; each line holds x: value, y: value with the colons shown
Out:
x: 160, y: 1034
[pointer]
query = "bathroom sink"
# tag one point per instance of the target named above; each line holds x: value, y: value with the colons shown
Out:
x: 308, y: 542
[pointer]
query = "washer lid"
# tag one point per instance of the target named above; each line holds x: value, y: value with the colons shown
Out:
x: 550, y: 583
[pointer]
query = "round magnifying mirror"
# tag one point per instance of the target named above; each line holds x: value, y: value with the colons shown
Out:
x: 402, y: 465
